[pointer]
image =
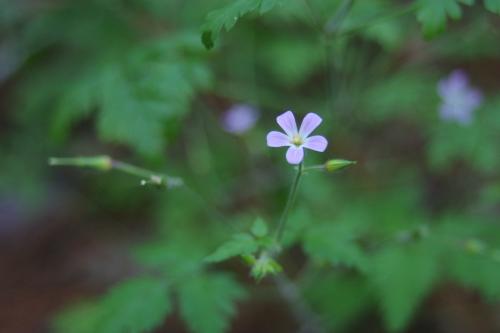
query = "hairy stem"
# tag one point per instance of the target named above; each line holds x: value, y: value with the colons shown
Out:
x: 291, y: 198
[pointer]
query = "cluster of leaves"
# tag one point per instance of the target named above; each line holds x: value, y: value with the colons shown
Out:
x: 383, y: 238
x: 255, y: 248
x: 205, y: 301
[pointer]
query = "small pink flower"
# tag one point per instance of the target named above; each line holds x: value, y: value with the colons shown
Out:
x: 295, y: 139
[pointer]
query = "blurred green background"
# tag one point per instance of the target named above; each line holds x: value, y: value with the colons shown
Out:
x: 407, y: 240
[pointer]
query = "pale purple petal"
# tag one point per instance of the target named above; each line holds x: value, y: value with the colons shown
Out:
x: 240, y: 118
x: 277, y: 139
x: 287, y: 122
x: 309, y: 124
x: 459, y: 115
x: 294, y: 155
x: 453, y: 84
x: 316, y: 142
x: 474, y: 98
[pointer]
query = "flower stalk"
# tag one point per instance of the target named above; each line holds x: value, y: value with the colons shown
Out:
x: 106, y: 163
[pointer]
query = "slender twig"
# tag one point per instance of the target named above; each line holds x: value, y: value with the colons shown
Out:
x: 106, y: 163
x: 147, y: 175
x: 291, y: 198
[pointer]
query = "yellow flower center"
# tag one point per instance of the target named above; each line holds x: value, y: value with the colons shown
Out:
x: 297, y: 140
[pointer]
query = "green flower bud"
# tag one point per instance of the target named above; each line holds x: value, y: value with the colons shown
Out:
x: 334, y: 165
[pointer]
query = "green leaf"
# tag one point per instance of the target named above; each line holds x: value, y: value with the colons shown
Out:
x: 401, y: 278
x: 226, y: 17
x: 122, y: 310
x: 239, y: 244
x: 476, y: 271
x: 76, y: 103
x: 336, y: 244
x: 492, y: 5
x: 137, y: 102
x: 389, y: 32
x: 139, y: 96
x: 433, y: 14
x: 164, y: 255
x: 207, y: 302
x: 339, y: 298
x: 259, y: 228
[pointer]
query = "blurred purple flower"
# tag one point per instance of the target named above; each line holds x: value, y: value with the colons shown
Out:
x: 295, y: 139
x: 459, y: 99
x: 239, y: 118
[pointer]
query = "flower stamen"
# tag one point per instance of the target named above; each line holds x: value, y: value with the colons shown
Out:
x: 297, y: 140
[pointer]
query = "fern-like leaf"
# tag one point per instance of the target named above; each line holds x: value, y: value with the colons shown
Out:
x: 207, y: 302
x: 226, y: 17
x: 134, y: 306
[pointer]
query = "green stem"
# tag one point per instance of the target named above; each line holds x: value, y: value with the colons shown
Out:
x: 135, y: 171
x: 288, y: 206
x: 319, y: 167
x: 148, y: 175
x: 106, y: 163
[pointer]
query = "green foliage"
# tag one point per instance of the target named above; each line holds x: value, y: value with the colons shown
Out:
x: 240, y: 244
x: 336, y: 244
x: 452, y: 142
x: 476, y: 271
x: 207, y: 302
x: 492, y: 6
x: 137, y: 96
x: 122, y: 309
x: 400, y: 95
x: 402, y: 277
x: 340, y: 298
x: 388, y: 32
x: 226, y: 17
x: 164, y: 256
x: 417, y: 212
x: 259, y: 228
x: 286, y: 70
x: 433, y: 14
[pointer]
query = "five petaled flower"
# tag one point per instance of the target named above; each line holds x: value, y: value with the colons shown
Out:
x: 295, y: 139
x: 459, y: 98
